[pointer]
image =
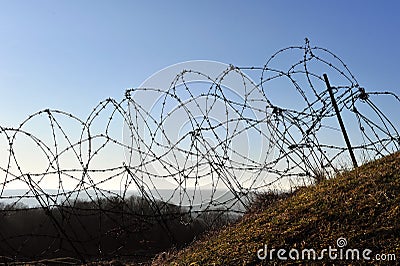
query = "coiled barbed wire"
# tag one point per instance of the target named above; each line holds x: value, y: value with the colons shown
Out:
x: 187, y: 149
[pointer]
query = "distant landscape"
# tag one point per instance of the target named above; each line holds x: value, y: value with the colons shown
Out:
x: 27, y: 198
x: 110, y: 227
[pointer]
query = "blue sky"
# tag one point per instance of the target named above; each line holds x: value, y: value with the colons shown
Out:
x: 69, y: 55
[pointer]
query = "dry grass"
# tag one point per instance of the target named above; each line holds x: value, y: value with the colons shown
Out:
x: 362, y: 205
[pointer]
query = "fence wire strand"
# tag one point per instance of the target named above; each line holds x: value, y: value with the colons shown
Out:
x: 76, y: 189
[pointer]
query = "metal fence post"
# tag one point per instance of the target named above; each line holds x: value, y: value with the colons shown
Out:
x: 346, y: 138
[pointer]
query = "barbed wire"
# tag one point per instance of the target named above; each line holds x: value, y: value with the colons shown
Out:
x: 190, y: 153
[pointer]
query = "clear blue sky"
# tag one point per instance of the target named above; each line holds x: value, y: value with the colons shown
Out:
x: 69, y: 55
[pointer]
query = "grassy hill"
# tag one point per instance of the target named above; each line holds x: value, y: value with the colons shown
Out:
x: 362, y: 206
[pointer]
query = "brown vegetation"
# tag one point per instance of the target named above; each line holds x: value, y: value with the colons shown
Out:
x: 360, y: 205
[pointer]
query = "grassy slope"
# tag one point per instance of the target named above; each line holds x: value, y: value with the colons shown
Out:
x: 362, y: 205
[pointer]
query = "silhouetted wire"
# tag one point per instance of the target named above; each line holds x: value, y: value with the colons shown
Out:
x: 200, y: 163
